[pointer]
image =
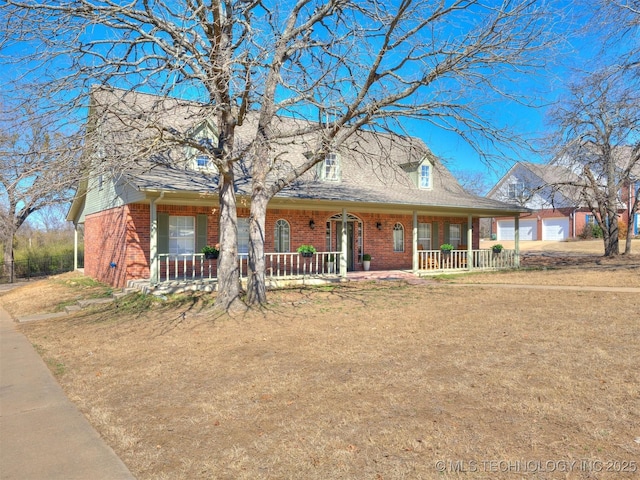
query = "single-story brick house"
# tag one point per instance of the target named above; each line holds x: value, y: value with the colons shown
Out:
x: 383, y: 195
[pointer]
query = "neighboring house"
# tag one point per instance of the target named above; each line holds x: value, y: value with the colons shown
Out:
x: 557, y: 210
x: 395, y: 202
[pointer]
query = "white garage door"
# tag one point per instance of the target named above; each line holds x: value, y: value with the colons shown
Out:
x: 555, y: 229
x: 506, y: 230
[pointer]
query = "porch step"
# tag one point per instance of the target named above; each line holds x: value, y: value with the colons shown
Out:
x: 72, y: 308
x: 124, y: 292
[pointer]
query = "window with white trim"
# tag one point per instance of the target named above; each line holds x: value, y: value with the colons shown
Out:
x: 282, y: 236
x: 202, y: 161
x: 331, y: 168
x: 424, y: 236
x: 454, y: 235
x: 243, y: 235
x: 182, y: 235
x: 398, y: 238
x: 515, y: 191
x: 425, y: 175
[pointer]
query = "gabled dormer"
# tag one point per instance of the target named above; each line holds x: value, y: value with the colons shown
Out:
x: 206, y: 136
x: 421, y: 173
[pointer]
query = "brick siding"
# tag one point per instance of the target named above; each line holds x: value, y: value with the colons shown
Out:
x: 120, y: 236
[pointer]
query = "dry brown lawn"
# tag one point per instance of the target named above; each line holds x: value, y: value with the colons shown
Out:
x: 377, y: 380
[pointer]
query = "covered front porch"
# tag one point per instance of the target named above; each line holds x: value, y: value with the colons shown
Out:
x: 193, y: 272
x: 165, y: 267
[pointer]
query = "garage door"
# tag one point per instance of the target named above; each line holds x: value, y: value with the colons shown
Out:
x: 506, y: 230
x: 555, y: 229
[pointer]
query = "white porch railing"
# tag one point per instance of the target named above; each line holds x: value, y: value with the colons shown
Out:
x: 292, y: 264
x: 435, y: 260
x: 187, y: 266
x: 193, y: 266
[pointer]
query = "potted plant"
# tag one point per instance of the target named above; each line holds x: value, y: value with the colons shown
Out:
x: 446, y: 248
x: 497, y: 248
x: 211, y: 252
x: 330, y: 262
x: 366, y: 261
x: 306, y: 250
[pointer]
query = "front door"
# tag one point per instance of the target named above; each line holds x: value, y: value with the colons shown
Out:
x: 350, y: 230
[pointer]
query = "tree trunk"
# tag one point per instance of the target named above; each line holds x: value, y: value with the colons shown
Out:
x: 633, y: 209
x: 9, y: 238
x: 228, y: 273
x: 610, y: 234
x: 256, y: 283
x: 627, y: 243
x: 9, y: 267
x: 612, y: 245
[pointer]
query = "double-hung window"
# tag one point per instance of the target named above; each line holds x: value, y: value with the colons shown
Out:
x: 424, y: 236
x: 454, y: 235
x: 515, y: 191
x: 202, y: 161
x: 331, y: 168
x: 182, y: 235
x: 425, y: 176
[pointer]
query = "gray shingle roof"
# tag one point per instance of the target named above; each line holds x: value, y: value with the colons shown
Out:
x: 372, y: 163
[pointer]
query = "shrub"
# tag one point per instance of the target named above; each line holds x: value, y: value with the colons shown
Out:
x: 590, y: 231
x: 622, y: 229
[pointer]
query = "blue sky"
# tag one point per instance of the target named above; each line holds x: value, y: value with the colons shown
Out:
x: 529, y: 121
x: 578, y: 50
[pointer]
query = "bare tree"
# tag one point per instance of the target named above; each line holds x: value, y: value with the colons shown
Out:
x: 616, y: 23
x: 336, y: 66
x: 598, y: 126
x: 36, y: 170
x: 474, y: 182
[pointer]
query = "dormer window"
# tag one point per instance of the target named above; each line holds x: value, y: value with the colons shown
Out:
x: 425, y: 175
x: 330, y: 170
x: 200, y: 156
x: 420, y: 172
x: 202, y: 161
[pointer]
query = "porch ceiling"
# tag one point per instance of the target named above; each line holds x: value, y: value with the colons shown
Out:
x: 211, y: 199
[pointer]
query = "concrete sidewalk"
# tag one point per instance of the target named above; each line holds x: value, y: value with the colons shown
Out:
x: 42, y: 434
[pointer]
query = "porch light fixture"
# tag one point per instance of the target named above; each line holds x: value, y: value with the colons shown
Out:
x: 379, y: 226
x: 312, y: 224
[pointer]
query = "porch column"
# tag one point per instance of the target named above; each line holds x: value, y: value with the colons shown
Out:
x: 75, y: 247
x: 414, y: 244
x: 516, y: 224
x: 154, y: 269
x: 469, y: 242
x: 343, y: 247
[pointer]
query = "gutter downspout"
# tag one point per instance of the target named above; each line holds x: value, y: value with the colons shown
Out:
x: 154, y: 268
x: 516, y: 224
x: 414, y: 244
x: 75, y: 247
x: 343, y: 246
x: 470, y: 241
